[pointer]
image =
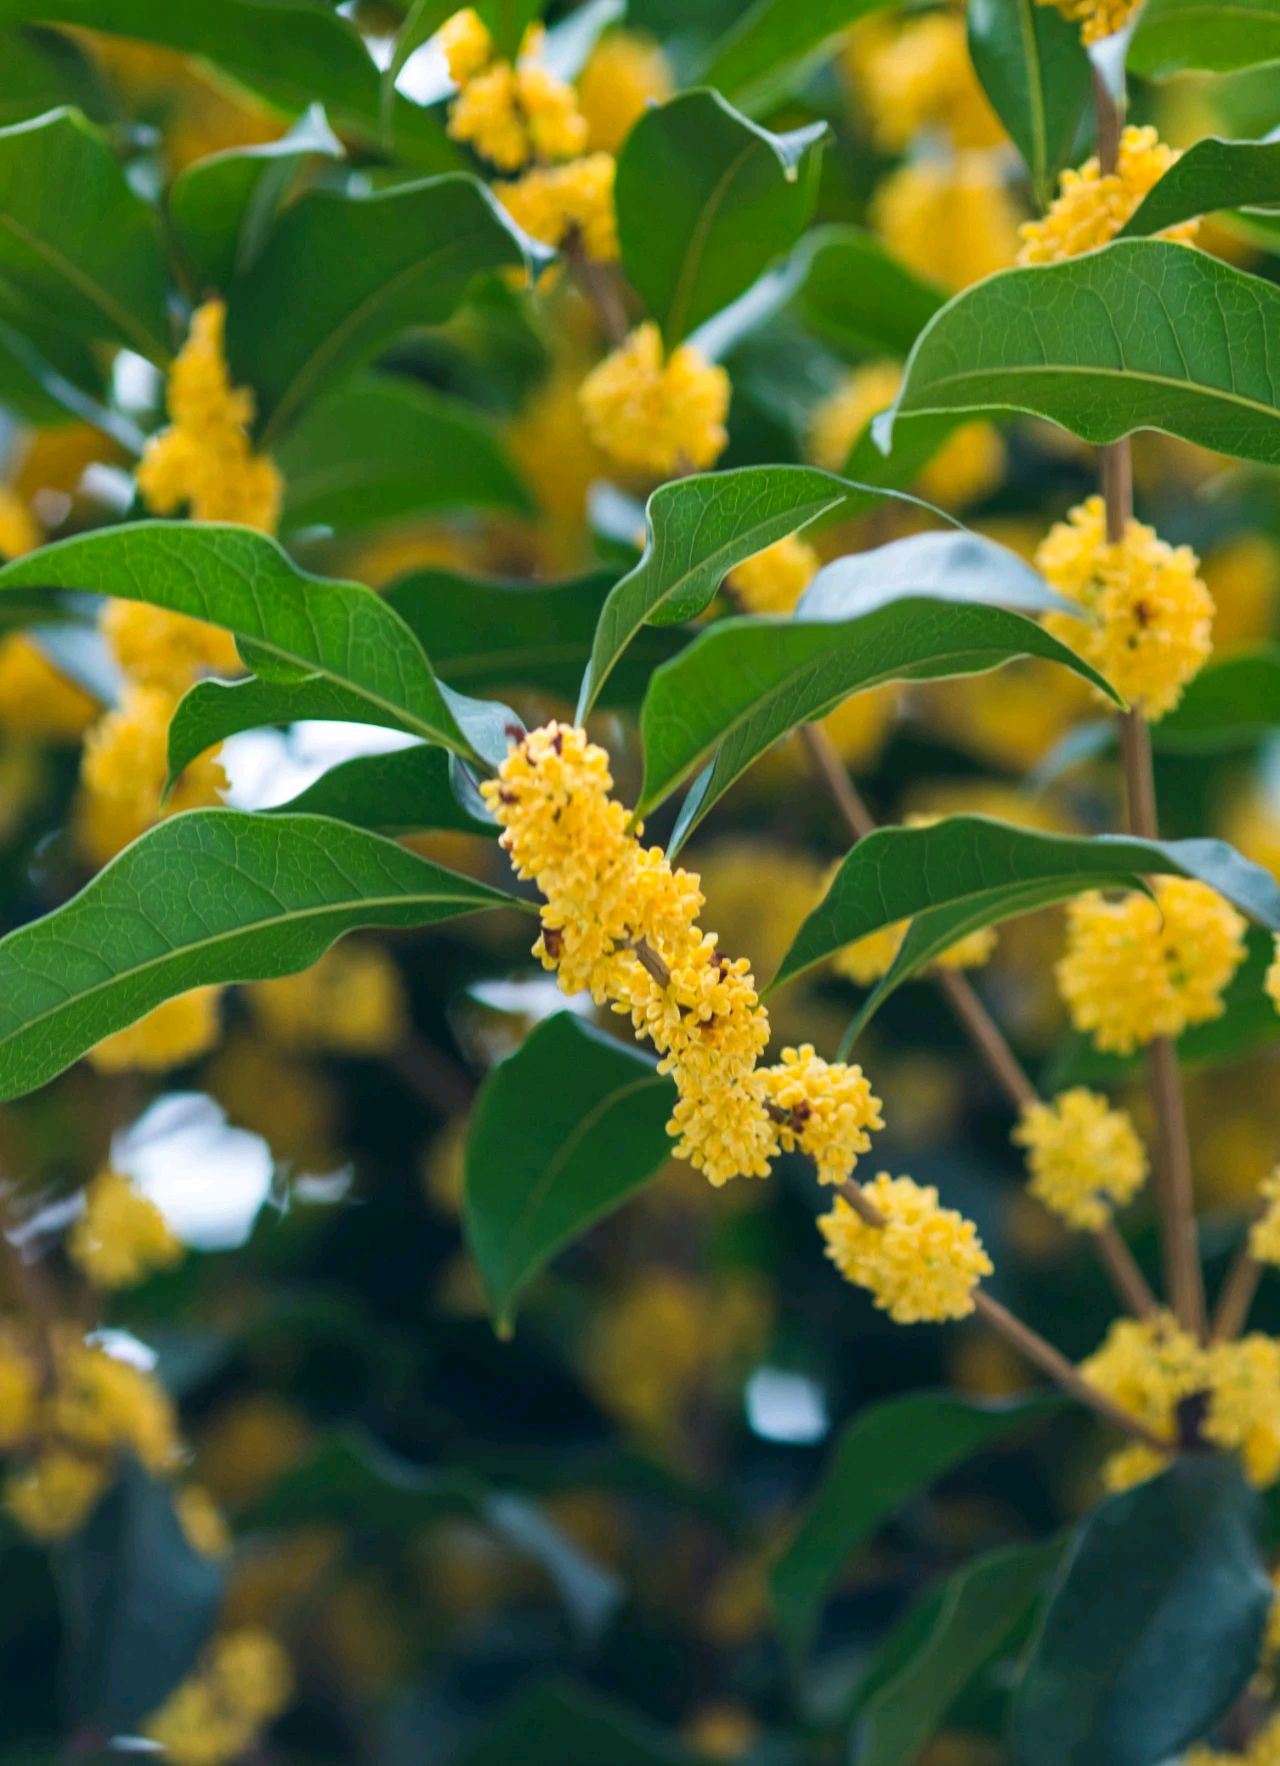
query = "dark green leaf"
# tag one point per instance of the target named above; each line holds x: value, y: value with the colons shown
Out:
x: 1211, y: 175
x: 563, y: 1132
x: 1139, y: 335
x: 697, y: 529
x: 1176, y: 35
x: 404, y: 792
x: 384, y: 448
x: 1154, y: 1626
x: 966, y: 872
x: 966, y: 1621
x: 76, y: 243
x: 342, y: 276
x: 734, y: 198
x: 339, y: 637
x: 139, y: 1604
x: 1035, y: 71
x: 48, y: 374
x: 552, y: 1724
x: 491, y: 635
x: 884, y: 1458
x: 211, y: 896
x: 221, y: 207
x: 1229, y: 704
x: 40, y: 70
x: 858, y: 298
x: 774, y: 43
x: 732, y: 692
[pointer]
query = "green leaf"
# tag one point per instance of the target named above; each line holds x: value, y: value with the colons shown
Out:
x: 404, y: 792
x: 546, y: 633
x: 551, y: 1724
x: 884, y: 1458
x: 733, y: 198
x: 965, y: 1623
x: 1230, y: 704
x: 210, y: 896
x: 860, y: 299
x: 745, y: 682
x: 966, y: 872
x: 1139, y: 335
x: 341, y: 276
x: 1176, y: 35
x: 696, y: 530
x: 76, y: 243
x: 293, y: 52
x: 221, y: 207
x: 1213, y: 174
x: 351, y: 1480
x: 1154, y: 1626
x: 47, y: 375
x: 40, y: 70
x: 139, y: 1603
x: 1035, y: 71
x: 773, y: 45
x: 563, y: 1132
x: 339, y: 636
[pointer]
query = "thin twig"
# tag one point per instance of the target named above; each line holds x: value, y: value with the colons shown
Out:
x: 601, y: 288
x: 440, y: 1083
x: 1236, y: 1297
x: 36, y: 1296
x: 834, y: 774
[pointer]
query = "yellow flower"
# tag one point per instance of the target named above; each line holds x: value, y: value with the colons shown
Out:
x: 1136, y: 968
x: 465, y: 42
x: 1273, y: 978
x: 556, y: 202
x: 773, y: 581
x: 512, y: 114
x: 557, y: 130
x: 921, y: 1265
x: 1010, y: 718
x: 1091, y: 208
x: 1097, y: 18
x: 123, y: 771
x: 19, y: 1392
x: 216, y: 1714
x: 19, y: 529
x: 868, y: 959
x: 121, y: 1236
x: 1151, y: 614
x: 952, y: 222
x: 624, y: 75
x: 758, y: 892
x: 52, y: 1496
x: 1243, y: 576
x: 35, y: 699
x: 166, y: 649
x: 1264, y: 1234
x: 204, y: 458
x: 621, y: 923
x: 653, y: 415
x: 1085, y: 1158
x: 173, y: 1033
x: 352, y: 1001
x: 202, y: 1522
x: 1147, y: 1366
x: 828, y: 1111
x: 101, y: 1403
x: 966, y: 468
x: 918, y: 77
x: 1244, y: 1404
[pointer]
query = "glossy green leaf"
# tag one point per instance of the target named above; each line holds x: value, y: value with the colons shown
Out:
x: 341, y: 276
x: 774, y: 43
x: 1035, y: 71
x: 139, y: 1603
x: 966, y: 1621
x: 563, y: 1131
x: 294, y: 52
x: 966, y: 872
x: 40, y: 70
x: 48, y: 374
x: 1230, y: 704
x: 552, y: 1723
x: 1139, y: 335
x: 491, y: 635
x: 1213, y: 174
x: 408, y: 791
x: 697, y: 529
x: 885, y: 1457
x: 1174, y: 36
x: 385, y: 448
x: 76, y: 243
x: 745, y: 682
x: 733, y: 198
x: 220, y: 208
x: 211, y: 896
x: 859, y: 298
x: 339, y: 637
x: 1153, y: 1627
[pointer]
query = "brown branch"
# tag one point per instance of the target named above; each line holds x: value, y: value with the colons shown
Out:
x: 601, y: 287
x: 829, y: 767
x: 1236, y: 1297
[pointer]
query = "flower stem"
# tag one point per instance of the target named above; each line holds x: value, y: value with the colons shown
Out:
x: 1237, y: 1294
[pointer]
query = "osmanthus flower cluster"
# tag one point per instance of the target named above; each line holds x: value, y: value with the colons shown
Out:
x: 620, y: 922
x: 1097, y: 18
x: 1164, y: 1377
x: 656, y: 413
x: 243, y: 1680
x: 1084, y: 1156
x: 121, y: 1236
x: 1263, y: 1750
x: 1092, y: 205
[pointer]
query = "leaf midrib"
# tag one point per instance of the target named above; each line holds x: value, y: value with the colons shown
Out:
x: 152, y: 348
x: 1022, y: 369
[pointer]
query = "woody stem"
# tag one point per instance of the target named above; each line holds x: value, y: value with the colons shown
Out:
x: 1237, y: 1294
